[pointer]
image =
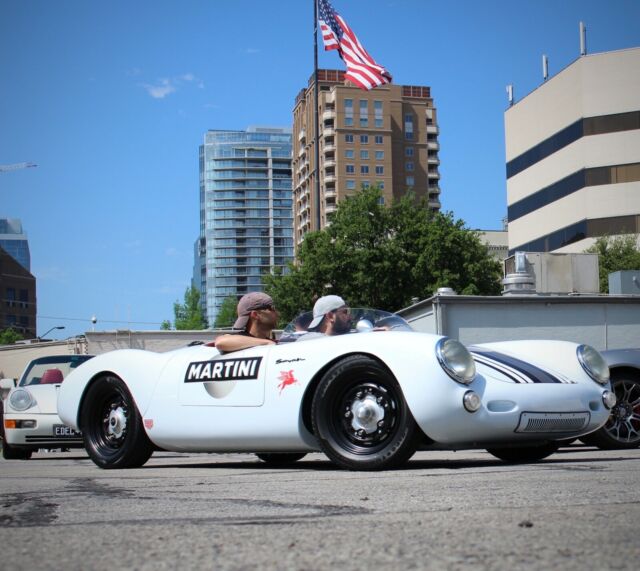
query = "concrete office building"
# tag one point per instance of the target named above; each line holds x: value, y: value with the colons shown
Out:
x: 245, y: 212
x: 573, y: 156
x: 387, y: 136
x: 13, y: 241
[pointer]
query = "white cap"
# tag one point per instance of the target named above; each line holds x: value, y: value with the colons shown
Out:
x: 323, y: 306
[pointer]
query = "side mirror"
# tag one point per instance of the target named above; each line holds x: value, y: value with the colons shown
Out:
x: 7, y: 384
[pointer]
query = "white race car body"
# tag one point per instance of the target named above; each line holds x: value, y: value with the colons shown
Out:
x: 260, y: 399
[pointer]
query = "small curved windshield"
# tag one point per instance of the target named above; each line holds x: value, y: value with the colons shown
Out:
x: 362, y: 320
x: 51, y: 370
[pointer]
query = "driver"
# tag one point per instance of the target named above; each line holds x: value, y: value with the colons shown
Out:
x: 331, y: 316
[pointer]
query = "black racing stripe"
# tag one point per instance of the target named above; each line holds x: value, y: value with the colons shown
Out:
x: 487, y: 363
x: 536, y: 374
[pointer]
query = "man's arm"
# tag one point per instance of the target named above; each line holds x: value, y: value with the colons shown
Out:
x: 228, y: 343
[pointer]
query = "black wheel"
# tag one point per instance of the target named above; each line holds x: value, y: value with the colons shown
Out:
x: 112, y: 427
x: 524, y: 454
x: 278, y: 459
x: 361, y: 418
x: 622, y: 430
x: 13, y: 453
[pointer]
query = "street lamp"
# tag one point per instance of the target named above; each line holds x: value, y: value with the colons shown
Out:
x: 56, y: 327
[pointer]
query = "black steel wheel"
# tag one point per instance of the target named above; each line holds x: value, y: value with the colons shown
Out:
x: 112, y: 427
x: 525, y: 454
x: 361, y: 418
x: 622, y: 430
x: 12, y: 453
x: 281, y: 459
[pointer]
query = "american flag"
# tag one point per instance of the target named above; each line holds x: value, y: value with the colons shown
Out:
x: 361, y: 67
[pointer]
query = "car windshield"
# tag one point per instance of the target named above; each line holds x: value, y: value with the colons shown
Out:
x: 51, y: 370
x: 363, y: 320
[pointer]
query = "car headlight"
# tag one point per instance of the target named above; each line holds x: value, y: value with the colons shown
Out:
x: 593, y: 363
x: 21, y: 399
x: 456, y: 360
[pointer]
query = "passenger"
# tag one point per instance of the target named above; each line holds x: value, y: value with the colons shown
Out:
x: 331, y: 316
x: 257, y: 318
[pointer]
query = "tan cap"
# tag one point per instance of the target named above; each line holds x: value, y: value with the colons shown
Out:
x: 248, y: 303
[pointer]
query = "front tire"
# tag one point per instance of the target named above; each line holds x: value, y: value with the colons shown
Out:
x: 622, y: 430
x: 112, y: 426
x: 281, y: 459
x: 525, y: 454
x: 361, y: 418
x: 13, y: 453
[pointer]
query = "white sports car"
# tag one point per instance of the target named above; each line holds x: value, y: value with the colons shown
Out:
x: 30, y: 416
x: 367, y: 400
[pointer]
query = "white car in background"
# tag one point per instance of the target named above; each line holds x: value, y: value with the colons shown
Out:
x: 31, y: 418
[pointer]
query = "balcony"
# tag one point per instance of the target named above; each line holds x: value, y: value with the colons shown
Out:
x: 433, y: 129
x: 329, y: 147
x: 302, y: 135
x: 433, y: 145
x: 330, y: 207
x: 330, y: 163
x: 328, y: 115
x: 330, y: 192
x: 329, y: 177
x: 433, y: 160
x: 433, y: 175
x: 302, y: 152
x: 328, y: 132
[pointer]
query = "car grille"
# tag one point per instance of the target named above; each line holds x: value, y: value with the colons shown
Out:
x: 553, y: 421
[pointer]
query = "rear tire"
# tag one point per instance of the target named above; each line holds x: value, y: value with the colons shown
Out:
x: 525, y: 454
x: 281, y: 459
x: 112, y: 426
x: 361, y: 418
x: 622, y: 430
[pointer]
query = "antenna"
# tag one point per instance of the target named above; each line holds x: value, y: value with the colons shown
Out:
x: 545, y: 67
x: 510, y: 94
x: 583, y: 39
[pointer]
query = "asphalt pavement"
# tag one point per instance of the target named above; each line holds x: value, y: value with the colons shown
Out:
x: 578, y: 509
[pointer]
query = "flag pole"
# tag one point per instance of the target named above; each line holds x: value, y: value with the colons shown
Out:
x: 316, y: 119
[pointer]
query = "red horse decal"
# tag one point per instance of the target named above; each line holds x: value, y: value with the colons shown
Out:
x: 286, y: 379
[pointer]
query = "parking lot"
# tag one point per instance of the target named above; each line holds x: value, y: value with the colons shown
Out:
x: 579, y: 509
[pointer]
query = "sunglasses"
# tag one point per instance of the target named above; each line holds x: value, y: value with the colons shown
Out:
x: 269, y: 307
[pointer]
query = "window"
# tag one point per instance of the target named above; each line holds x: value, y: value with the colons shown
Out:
x: 365, y: 184
x: 348, y: 112
x: 364, y: 113
x: 364, y: 139
x: 351, y: 184
x: 408, y: 151
x: 408, y: 166
x: 379, y: 155
x: 364, y: 155
x: 349, y: 154
x: 408, y: 127
x: 364, y: 169
x: 381, y: 198
x: 379, y: 169
x: 380, y: 184
x: 379, y: 140
x: 377, y: 105
x: 410, y: 181
x: 348, y: 138
x: 351, y: 169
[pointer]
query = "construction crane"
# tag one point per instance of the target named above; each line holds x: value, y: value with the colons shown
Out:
x: 16, y: 166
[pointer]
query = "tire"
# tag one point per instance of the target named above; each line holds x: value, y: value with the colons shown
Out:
x: 361, y: 418
x: 525, y: 454
x: 112, y: 426
x: 278, y: 459
x: 13, y: 453
x: 622, y: 430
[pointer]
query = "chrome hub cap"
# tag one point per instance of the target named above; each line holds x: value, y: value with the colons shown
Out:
x: 117, y: 423
x: 366, y: 414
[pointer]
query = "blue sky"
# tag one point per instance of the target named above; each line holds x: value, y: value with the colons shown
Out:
x: 112, y: 99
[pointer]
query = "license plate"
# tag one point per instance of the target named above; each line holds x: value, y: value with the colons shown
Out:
x: 62, y: 431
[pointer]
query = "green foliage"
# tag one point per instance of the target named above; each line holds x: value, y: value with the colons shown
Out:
x: 381, y: 257
x: 165, y: 325
x: 615, y: 254
x: 188, y: 315
x: 9, y: 336
x: 227, y: 314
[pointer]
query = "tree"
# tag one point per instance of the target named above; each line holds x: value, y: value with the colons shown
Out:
x: 382, y: 257
x: 227, y: 314
x: 9, y: 336
x: 188, y: 315
x: 615, y: 254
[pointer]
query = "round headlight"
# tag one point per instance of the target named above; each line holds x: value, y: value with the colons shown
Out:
x: 456, y: 360
x: 593, y: 363
x: 21, y: 399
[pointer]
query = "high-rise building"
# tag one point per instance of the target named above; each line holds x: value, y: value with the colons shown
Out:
x: 18, y: 296
x: 387, y: 137
x: 14, y: 241
x: 573, y: 156
x: 245, y: 212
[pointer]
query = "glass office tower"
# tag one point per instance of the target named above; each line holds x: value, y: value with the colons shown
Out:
x: 14, y: 241
x: 246, y: 221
